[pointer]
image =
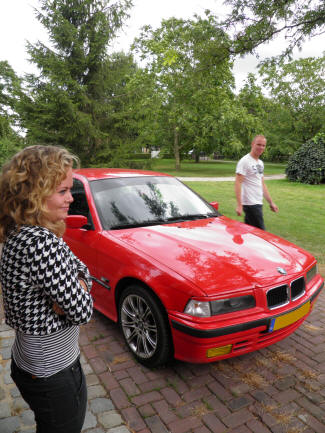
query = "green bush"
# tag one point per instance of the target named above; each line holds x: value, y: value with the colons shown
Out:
x: 8, y: 147
x: 139, y: 164
x: 307, y: 164
x: 141, y: 155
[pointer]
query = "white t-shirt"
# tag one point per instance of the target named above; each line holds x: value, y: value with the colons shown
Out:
x: 252, y: 188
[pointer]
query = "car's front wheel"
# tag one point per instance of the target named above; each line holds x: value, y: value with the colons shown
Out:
x: 144, y: 326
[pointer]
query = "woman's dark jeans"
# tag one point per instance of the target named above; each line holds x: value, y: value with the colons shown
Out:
x: 59, y: 402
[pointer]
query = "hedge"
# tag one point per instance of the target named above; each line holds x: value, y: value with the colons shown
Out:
x: 307, y: 164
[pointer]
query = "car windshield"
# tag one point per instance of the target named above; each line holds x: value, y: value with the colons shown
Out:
x: 146, y: 200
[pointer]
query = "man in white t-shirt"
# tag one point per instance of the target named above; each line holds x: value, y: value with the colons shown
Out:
x: 250, y: 187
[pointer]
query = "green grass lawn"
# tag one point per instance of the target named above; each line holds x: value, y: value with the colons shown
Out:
x: 208, y: 168
x: 301, y: 207
x: 301, y: 210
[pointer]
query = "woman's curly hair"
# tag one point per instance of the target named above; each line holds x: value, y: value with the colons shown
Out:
x: 26, y: 181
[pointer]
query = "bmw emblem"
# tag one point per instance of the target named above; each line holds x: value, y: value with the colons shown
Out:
x: 281, y: 271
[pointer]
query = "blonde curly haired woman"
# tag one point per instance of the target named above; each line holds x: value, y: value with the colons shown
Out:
x: 45, y: 287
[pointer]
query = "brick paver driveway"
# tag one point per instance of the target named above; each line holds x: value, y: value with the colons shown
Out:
x: 278, y: 389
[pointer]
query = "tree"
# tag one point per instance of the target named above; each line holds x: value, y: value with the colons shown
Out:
x: 188, y: 62
x: 282, y: 142
x: 10, y: 91
x: 119, y: 123
x: 67, y: 102
x: 252, y: 99
x: 256, y: 21
x: 142, y: 114
x: 272, y: 119
x: 299, y: 88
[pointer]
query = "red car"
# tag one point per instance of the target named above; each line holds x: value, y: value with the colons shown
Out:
x: 181, y: 279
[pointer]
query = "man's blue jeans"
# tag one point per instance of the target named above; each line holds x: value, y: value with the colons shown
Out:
x: 59, y: 402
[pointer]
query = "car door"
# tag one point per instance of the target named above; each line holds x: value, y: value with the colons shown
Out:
x: 84, y: 241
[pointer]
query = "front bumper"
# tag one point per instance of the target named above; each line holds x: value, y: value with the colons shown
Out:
x: 193, y: 343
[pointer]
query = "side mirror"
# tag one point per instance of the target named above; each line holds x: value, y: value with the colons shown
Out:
x: 215, y: 205
x: 76, y: 221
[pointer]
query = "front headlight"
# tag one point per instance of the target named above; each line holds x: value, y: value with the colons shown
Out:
x: 312, y: 273
x: 223, y: 306
x: 198, y: 308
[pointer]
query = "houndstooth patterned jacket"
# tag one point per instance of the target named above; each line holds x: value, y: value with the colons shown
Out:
x: 38, y: 269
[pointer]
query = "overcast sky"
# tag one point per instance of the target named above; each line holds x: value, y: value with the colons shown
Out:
x: 18, y: 25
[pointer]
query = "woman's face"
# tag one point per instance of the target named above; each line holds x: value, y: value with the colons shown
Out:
x: 58, y: 203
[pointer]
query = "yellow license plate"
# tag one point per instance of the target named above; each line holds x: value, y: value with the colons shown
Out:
x: 289, y: 318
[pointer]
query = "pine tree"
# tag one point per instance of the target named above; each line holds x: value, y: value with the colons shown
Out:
x: 67, y: 102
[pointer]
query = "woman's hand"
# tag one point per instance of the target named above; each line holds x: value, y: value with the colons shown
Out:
x: 83, y: 284
x: 58, y: 310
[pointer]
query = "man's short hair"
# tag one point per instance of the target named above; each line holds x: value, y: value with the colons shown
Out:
x: 258, y: 136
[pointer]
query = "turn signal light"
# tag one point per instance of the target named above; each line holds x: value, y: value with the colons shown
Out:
x: 218, y: 351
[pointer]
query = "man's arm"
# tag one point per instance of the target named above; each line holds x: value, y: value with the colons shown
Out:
x: 238, y: 181
x: 268, y: 198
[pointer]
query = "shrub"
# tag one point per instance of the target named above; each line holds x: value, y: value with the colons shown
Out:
x: 141, y: 156
x: 307, y: 164
x: 139, y: 164
x: 8, y: 147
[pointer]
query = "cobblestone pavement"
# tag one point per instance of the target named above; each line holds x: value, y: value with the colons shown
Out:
x: 15, y: 415
x: 279, y: 389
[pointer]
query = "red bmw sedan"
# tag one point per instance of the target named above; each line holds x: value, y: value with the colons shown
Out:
x: 181, y: 279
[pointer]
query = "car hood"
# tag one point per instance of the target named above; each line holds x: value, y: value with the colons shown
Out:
x: 218, y: 252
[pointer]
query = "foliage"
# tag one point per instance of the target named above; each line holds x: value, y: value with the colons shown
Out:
x: 265, y: 113
x: 298, y: 88
x: 10, y: 92
x: 67, y: 103
x: 281, y: 141
x: 189, y: 70
x: 258, y: 21
x: 294, y: 111
x: 106, y: 108
x: 307, y: 165
x: 8, y: 147
x: 257, y: 106
x: 141, y: 156
x: 120, y: 122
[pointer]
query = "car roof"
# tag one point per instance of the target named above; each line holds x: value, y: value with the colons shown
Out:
x: 104, y: 173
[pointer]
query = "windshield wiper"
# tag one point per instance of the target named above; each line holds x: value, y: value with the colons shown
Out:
x: 192, y: 217
x: 138, y: 224
x: 169, y: 220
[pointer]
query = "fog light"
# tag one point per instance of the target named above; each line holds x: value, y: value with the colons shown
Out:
x: 218, y: 351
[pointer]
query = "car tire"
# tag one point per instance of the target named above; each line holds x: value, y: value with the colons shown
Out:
x: 144, y: 326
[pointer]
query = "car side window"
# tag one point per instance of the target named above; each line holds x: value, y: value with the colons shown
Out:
x: 79, y: 206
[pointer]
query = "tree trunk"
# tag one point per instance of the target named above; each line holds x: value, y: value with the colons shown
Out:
x: 176, y: 149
